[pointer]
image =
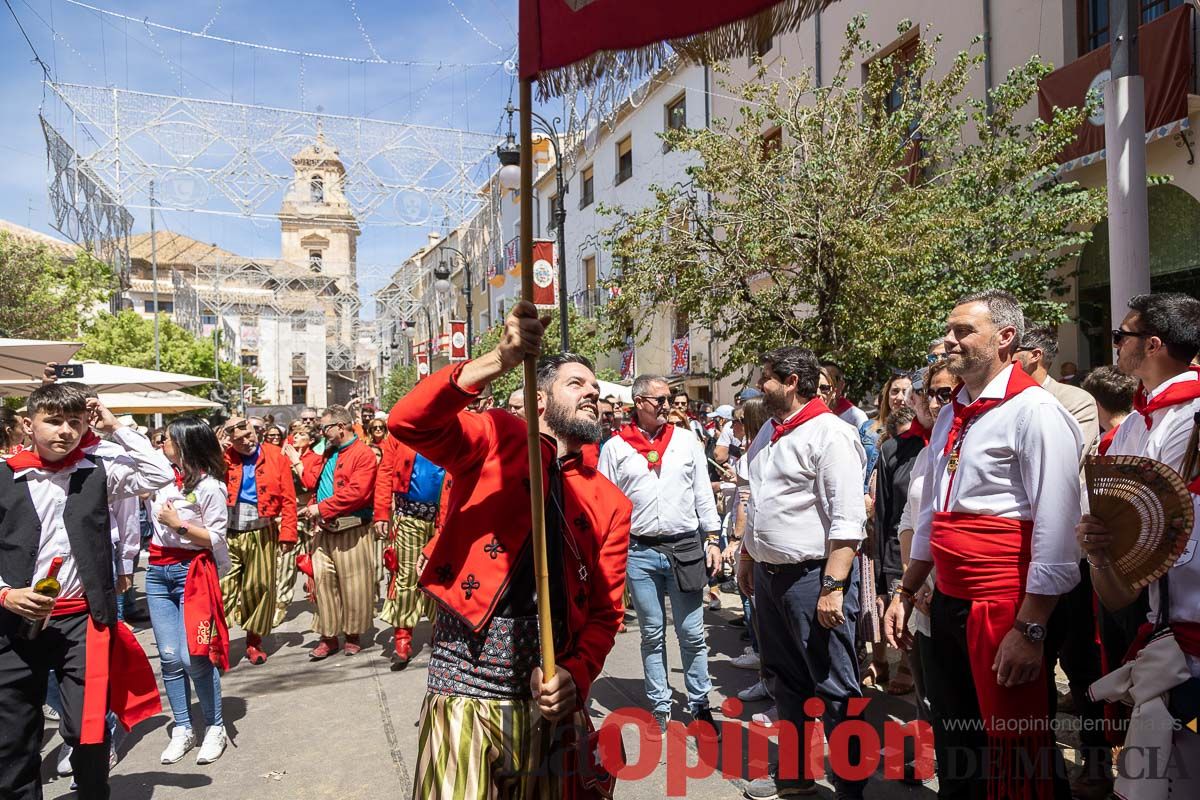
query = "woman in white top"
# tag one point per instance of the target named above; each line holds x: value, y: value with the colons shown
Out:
x: 189, y: 518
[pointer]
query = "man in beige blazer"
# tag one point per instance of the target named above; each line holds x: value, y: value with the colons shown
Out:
x: 1039, y: 348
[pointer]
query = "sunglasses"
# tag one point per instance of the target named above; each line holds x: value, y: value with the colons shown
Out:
x: 944, y: 394
x: 308, y: 419
x: 325, y: 428
x: 824, y: 388
x: 934, y: 358
x: 660, y: 402
x: 680, y: 403
x: 377, y: 429
x: 1119, y: 334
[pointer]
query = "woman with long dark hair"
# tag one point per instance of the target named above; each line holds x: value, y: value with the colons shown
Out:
x: 12, y: 436
x: 187, y: 555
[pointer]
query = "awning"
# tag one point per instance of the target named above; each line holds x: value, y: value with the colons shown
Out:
x: 622, y: 393
x: 111, y: 378
x: 155, y: 402
x: 25, y: 359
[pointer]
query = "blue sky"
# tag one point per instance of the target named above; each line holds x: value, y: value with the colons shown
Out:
x: 103, y: 51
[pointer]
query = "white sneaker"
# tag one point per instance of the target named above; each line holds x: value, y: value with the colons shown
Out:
x: 768, y: 717
x: 754, y: 693
x: 64, y: 761
x: 748, y: 660
x: 714, y: 601
x: 182, y: 740
x: 213, y: 745
x: 50, y: 714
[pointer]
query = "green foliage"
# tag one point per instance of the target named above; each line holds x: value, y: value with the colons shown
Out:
x: 44, y: 297
x: 400, y: 382
x: 856, y: 235
x: 587, y: 338
x: 127, y: 340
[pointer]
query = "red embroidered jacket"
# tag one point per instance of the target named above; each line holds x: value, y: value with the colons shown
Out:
x: 487, y: 520
x: 395, y: 472
x: 276, y: 491
x: 353, y: 481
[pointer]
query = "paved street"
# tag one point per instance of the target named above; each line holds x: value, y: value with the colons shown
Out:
x: 346, y: 727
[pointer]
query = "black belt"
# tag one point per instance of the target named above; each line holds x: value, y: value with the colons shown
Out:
x: 650, y: 541
x: 798, y: 567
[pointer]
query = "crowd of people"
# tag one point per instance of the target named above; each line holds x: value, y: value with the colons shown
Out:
x: 935, y: 544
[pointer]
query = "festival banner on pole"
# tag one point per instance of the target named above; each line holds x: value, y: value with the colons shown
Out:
x: 545, y: 283
x: 627, y: 366
x: 458, y: 340
x: 422, y: 364
x: 681, y: 354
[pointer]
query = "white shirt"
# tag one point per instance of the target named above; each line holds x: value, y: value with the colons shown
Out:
x: 854, y: 415
x: 1166, y: 441
x: 805, y: 491
x: 206, y: 506
x: 1019, y: 460
x: 673, y: 499
x: 124, y: 527
x: 918, y: 622
x: 138, y: 468
x: 725, y: 438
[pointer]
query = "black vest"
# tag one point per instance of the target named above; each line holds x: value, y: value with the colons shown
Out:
x: 86, y: 520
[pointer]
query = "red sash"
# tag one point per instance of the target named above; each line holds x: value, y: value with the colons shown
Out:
x: 652, y: 452
x: 812, y: 409
x: 29, y: 459
x: 116, y: 671
x: 1173, y: 395
x: 984, y: 559
x: 203, y: 607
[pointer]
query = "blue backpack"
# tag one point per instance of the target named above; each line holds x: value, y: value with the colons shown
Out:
x: 425, y: 486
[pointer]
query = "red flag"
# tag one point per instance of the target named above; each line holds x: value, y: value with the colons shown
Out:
x: 627, y: 366
x: 681, y: 355
x: 422, y: 365
x: 591, y: 36
x: 458, y: 340
x: 545, y: 285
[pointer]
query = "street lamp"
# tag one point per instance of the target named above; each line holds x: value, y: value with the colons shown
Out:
x: 443, y: 285
x: 509, y: 154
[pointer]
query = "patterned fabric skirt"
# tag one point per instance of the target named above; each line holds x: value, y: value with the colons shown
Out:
x: 493, y: 664
x: 476, y: 749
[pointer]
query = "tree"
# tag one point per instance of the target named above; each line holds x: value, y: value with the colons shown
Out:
x: 127, y: 340
x: 400, y: 382
x: 854, y: 231
x: 44, y: 296
x: 587, y: 337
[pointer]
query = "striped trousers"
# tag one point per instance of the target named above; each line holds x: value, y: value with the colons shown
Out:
x: 344, y: 570
x: 473, y: 749
x: 249, y: 587
x: 405, y: 603
x: 285, y: 572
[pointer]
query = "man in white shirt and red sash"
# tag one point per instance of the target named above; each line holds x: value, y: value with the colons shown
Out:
x: 54, y: 500
x: 673, y: 542
x: 998, y: 513
x: 1156, y: 343
x: 804, y: 524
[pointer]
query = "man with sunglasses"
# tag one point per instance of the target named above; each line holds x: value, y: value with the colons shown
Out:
x: 311, y: 417
x: 998, y: 510
x: 674, y: 539
x: 1157, y: 343
x: 343, y: 558
x: 262, y: 517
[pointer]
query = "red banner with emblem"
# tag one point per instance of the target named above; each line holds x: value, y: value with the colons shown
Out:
x: 681, y: 355
x: 458, y: 340
x: 545, y: 275
x: 1165, y: 62
x: 422, y: 364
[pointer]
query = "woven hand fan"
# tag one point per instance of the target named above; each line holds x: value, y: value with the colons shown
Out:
x: 1147, y: 509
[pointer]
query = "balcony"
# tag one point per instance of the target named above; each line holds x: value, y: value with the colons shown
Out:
x: 588, y: 302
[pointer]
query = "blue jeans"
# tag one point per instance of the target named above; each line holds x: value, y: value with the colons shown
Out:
x: 651, y: 580
x: 164, y: 596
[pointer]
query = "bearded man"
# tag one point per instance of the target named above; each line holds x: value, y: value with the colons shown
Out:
x: 479, y: 737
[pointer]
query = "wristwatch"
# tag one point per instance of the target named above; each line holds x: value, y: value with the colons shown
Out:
x: 832, y: 584
x: 1032, y: 631
x: 181, y: 530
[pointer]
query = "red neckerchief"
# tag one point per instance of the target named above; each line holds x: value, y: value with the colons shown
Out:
x: 1018, y: 382
x: 652, y: 452
x: 843, y: 405
x: 178, y: 477
x: 813, y: 409
x: 916, y: 430
x: 1106, y: 440
x: 29, y: 459
x: 1173, y: 395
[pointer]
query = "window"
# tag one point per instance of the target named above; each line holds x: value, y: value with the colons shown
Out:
x: 552, y: 218
x: 1094, y: 21
x: 316, y: 189
x: 208, y: 319
x: 586, y: 187
x: 165, y: 306
x: 772, y: 142
x: 299, y: 394
x: 298, y: 364
x: 590, y: 299
x: 624, y: 159
x: 314, y: 260
x: 249, y: 360
x: 677, y: 113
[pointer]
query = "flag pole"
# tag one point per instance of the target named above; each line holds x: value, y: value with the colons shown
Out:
x: 537, y: 504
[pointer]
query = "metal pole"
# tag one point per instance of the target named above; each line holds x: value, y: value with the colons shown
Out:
x: 1125, y: 143
x: 560, y: 220
x: 537, y: 503
x: 154, y: 278
x: 470, y: 307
